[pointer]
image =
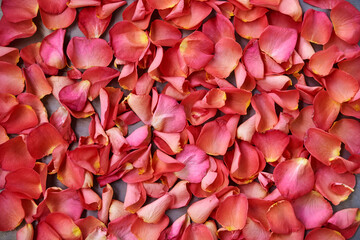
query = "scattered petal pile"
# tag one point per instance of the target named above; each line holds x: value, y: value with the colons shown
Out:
x: 244, y: 113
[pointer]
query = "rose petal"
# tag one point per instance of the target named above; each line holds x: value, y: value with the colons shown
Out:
x: 289, y: 174
x: 20, y: 118
x: 162, y: 163
x: 287, y: 99
x: 12, y: 211
x: 341, y: 86
x: 197, y: 50
x: 153, y: 212
x: 121, y: 227
x: 272, y: 144
x: 169, y: 115
x: 109, y: 99
x: 321, y: 63
x: 334, y: 186
x: 67, y: 229
x: 281, y: 48
x: 51, y: 49
x: 89, y: 226
x: 61, y: 120
x: 36, y: 82
x: 346, y: 130
x: 25, y: 233
x: 220, y: 68
x: 252, y: 59
x: 9, y: 54
x: 232, y: 212
x: 195, y: 160
x: 218, y: 27
x: 74, y: 96
x: 196, y: 231
x: 314, y: 23
x: 89, y: 199
x: 12, y: 80
x: 135, y: 197
x: 86, y: 53
x: 17, y: 11
x: 349, y: 51
x: 181, y: 195
x: 324, y: 233
x: 282, y: 218
x: 254, y: 231
x: 11, y: 31
x: 251, y: 29
x: 128, y: 41
x: 30, y: 183
x: 107, y: 195
x: 326, y: 110
x: 60, y: 20
x: 346, y: 20
x: 323, y: 4
x: 90, y: 25
x: 52, y: 6
x: 84, y: 3
x: 201, y: 210
x: 345, y: 221
x: 350, y: 66
x: 151, y: 231
x: 266, y: 117
x: 108, y: 7
x: 139, y: 13
x: 176, y: 229
x: 170, y: 143
x: 164, y: 34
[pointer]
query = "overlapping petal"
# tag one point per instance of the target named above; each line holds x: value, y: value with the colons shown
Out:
x: 316, y: 27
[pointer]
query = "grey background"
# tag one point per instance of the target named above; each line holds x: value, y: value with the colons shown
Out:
x: 81, y: 125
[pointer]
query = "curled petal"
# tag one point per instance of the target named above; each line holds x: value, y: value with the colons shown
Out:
x: 12, y: 212
x: 232, y: 212
x: 304, y: 48
x: 346, y: 20
x: 135, y: 197
x: 334, y: 186
x: 282, y: 218
x: 201, y: 210
x: 169, y: 115
x: 322, y: 145
x: 58, y: 21
x: 34, y: 102
x: 30, y: 186
x: 90, y: 25
x: 170, y: 143
x: 21, y: 117
x: 255, y: 231
x: 17, y: 11
x: 128, y: 41
x: 347, y: 130
x: 109, y: 100
x: 197, y: 50
x: 341, y: 86
x: 90, y: 200
x: 74, y: 96
x: 266, y: 117
x: 228, y: 49
x: 61, y: 120
x: 181, y: 195
x: 251, y: 29
x: 51, y: 49
x: 164, y: 34
x: 294, y: 178
x: 326, y: 110
x: 252, y: 59
x: 252, y: 14
x: 141, y: 105
x: 274, y: 82
x: 153, y: 212
x: 9, y: 54
x: 272, y: 144
x: 107, y: 195
x: 11, y: 31
x: 196, y: 231
x: 86, y: 53
x: 163, y: 163
x: 128, y: 76
x: 312, y: 210
x: 345, y: 221
x: 173, y: 63
x: 11, y: 79
x: 196, y: 163
x: 218, y: 27
x: 321, y: 62
x: 139, y: 13
x: 214, y: 138
x: 176, y: 229
x: 117, y: 210
x: 246, y: 130
x: 287, y: 99
x: 280, y: 48
x: 25, y: 233
x: 316, y: 27
x: 324, y: 233
x: 70, y: 174
x: 108, y: 7
x: 89, y: 226
x: 350, y: 51
x: 3, y: 135
x: 237, y: 101
x: 302, y: 122
x: 36, y: 82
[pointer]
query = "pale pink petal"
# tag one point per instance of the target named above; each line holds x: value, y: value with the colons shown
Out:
x: 196, y: 163
x: 25, y: 233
